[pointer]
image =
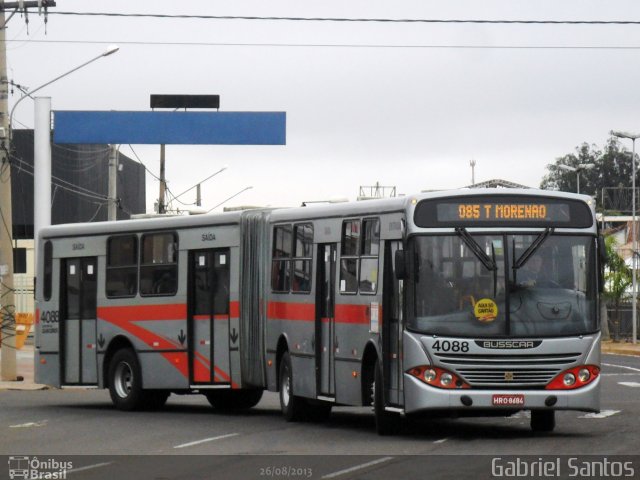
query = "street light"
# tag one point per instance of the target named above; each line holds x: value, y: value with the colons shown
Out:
x: 633, y: 137
x: 224, y: 167
x: 232, y: 196
x: 42, y: 209
x: 578, y: 168
x: 110, y: 50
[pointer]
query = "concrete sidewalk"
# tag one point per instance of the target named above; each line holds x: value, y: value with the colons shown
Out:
x: 26, y: 366
x: 621, y: 348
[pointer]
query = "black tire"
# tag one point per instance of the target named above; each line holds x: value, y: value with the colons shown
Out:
x: 387, y: 423
x: 293, y: 408
x: 543, y: 420
x: 233, y: 399
x: 317, y: 410
x: 125, y: 381
x: 155, y: 399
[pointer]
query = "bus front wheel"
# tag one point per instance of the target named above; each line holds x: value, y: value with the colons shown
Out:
x: 543, y: 420
x: 387, y: 423
x: 125, y: 381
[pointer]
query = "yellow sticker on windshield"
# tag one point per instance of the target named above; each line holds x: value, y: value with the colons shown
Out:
x: 485, y: 310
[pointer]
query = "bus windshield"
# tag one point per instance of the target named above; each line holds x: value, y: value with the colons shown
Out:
x: 502, y: 285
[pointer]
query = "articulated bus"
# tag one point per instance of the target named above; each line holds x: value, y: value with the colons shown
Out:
x: 469, y: 302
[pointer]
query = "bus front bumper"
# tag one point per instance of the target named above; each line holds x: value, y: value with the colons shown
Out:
x: 420, y: 397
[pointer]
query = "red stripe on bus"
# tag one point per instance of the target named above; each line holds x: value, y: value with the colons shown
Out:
x: 37, y: 316
x: 358, y: 314
x: 174, y: 311
x: 205, y: 375
x: 179, y: 361
x: 208, y: 317
x: 118, y: 317
x: 291, y: 311
x: 355, y: 314
x: 234, y: 309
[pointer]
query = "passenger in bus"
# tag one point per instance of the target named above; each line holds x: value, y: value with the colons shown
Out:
x: 165, y: 285
x: 534, y: 274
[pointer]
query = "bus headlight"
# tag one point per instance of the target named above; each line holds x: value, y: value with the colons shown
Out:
x: 437, y: 377
x: 584, y: 375
x: 430, y: 375
x: 575, y: 377
x: 446, y: 379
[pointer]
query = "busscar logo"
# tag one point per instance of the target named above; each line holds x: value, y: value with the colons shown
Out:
x: 38, y: 469
x: 508, y: 344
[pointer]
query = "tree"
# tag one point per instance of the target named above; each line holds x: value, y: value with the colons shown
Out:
x: 617, y: 277
x: 612, y: 169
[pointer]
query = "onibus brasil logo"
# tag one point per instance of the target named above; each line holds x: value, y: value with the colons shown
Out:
x: 33, y: 468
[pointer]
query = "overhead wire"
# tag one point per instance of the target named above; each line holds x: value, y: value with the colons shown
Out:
x: 348, y: 20
x: 345, y: 45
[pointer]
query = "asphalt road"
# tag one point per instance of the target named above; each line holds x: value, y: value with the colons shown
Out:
x: 260, y: 444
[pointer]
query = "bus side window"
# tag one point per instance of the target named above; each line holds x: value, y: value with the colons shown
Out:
x: 302, y: 256
x: 349, y: 256
x: 159, y: 264
x: 48, y: 270
x: 281, y: 258
x: 122, y: 266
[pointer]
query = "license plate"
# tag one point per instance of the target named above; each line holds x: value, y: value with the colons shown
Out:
x: 508, y: 400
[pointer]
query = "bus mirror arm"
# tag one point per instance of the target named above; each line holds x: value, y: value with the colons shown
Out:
x: 400, y: 265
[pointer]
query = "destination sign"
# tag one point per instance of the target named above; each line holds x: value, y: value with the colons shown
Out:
x: 503, y: 210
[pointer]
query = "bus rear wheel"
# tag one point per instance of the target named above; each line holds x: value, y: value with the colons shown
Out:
x: 125, y: 381
x: 234, y: 399
x: 293, y: 408
x: 543, y: 420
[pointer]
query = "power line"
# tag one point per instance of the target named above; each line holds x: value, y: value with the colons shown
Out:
x: 78, y: 190
x: 344, y: 45
x: 140, y: 162
x: 348, y: 20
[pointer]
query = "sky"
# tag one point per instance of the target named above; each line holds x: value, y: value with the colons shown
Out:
x: 403, y: 104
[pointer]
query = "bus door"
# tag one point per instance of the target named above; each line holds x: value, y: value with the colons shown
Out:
x: 392, y: 325
x: 78, y: 321
x: 325, y: 318
x: 208, y: 327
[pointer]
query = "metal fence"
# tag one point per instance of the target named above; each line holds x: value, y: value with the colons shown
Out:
x: 620, y: 322
x: 23, y: 286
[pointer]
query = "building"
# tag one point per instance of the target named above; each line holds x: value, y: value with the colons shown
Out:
x: 79, y: 190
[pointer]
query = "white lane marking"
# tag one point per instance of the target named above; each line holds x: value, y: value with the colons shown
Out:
x: 357, y: 467
x: 621, y: 366
x: 442, y: 440
x: 629, y: 384
x: 89, y: 467
x: 41, y: 423
x: 204, y: 440
x: 620, y: 374
x: 602, y: 414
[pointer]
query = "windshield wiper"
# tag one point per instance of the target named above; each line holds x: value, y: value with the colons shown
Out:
x: 522, y: 259
x: 488, y: 262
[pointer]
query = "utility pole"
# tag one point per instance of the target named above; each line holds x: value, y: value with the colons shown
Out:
x: 113, y: 171
x: 198, y: 196
x: 472, y: 163
x: 7, y: 297
x: 162, y: 207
